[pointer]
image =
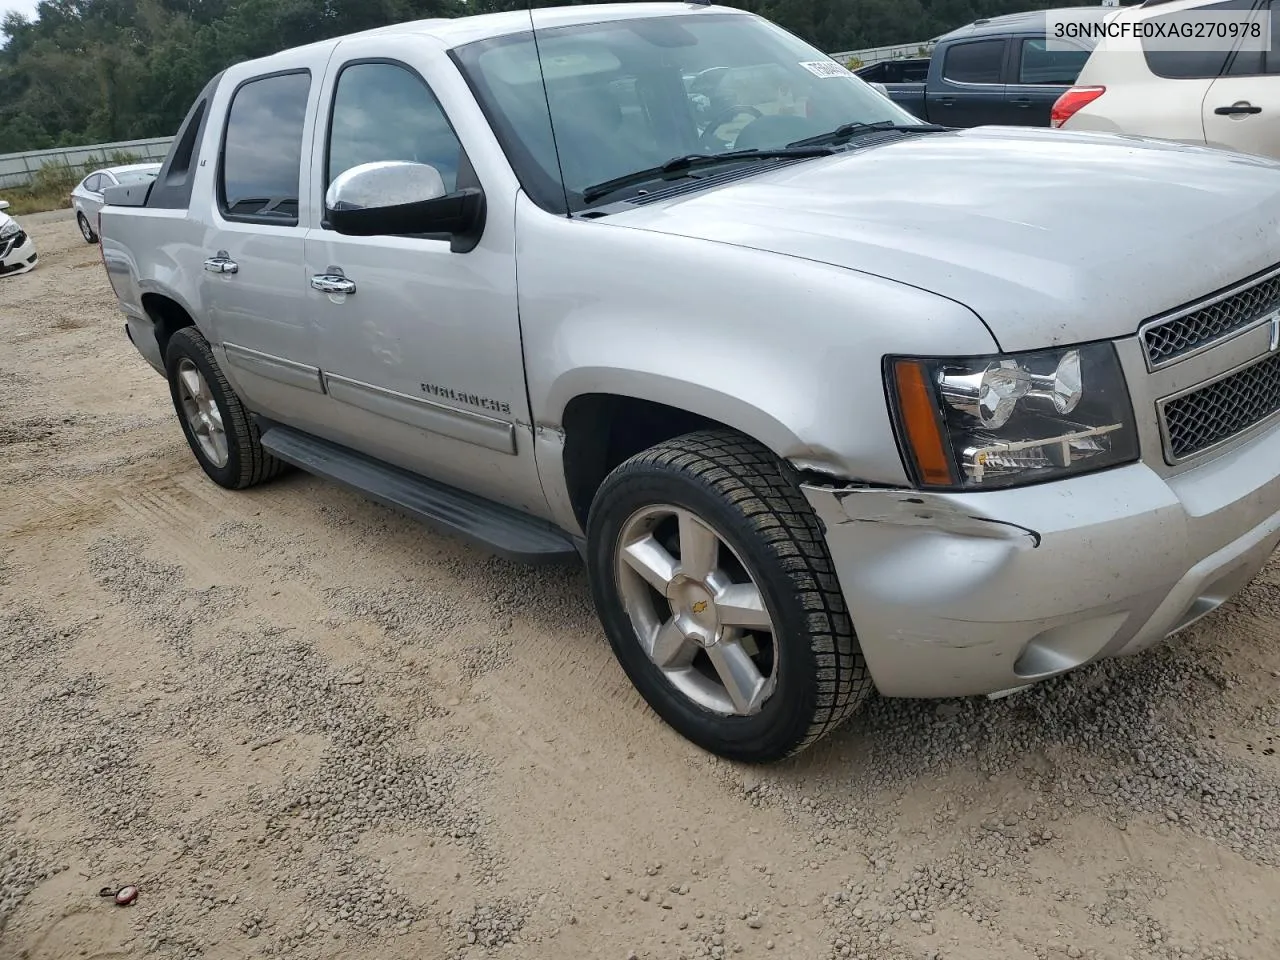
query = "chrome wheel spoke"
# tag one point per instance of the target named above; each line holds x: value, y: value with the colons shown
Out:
x: 670, y: 648
x: 699, y: 547
x: 202, y: 414
x: 738, y: 672
x: 651, y: 560
x: 192, y: 382
x: 741, y: 605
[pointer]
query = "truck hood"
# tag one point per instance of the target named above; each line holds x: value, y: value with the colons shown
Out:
x: 1049, y: 237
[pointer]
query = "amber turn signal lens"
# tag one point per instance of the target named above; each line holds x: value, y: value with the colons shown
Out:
x: 919, y: 416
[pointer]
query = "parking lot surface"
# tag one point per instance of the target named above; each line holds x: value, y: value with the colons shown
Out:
x: 304, y: 726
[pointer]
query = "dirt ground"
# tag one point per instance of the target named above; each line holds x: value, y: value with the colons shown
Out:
x: 304, y: 726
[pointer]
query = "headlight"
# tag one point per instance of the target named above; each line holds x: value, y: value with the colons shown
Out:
x: 1001, y: 421
x: 10, y: 229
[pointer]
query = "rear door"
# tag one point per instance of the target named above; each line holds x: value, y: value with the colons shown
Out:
x: 1037, y: 77
x: 253, y: 285
x: 1242, y: 108
x: 967, y: 90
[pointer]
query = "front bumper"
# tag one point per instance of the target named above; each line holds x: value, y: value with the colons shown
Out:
x: 17, y: 255
x: 965, y: 594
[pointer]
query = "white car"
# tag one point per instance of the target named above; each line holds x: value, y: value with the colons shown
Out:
x: 1229, y: 99
x: 87, y: 200
x: 17, y: 249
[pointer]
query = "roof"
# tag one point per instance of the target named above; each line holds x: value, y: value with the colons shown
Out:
x: 452, y: 32
x: 1031, y: 21
x: 130, y: 167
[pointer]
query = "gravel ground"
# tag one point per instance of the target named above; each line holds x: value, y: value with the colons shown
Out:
x: 305, y: 727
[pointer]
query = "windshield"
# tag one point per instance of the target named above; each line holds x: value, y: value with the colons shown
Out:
x: 137, y: 176
x: 631, y: 94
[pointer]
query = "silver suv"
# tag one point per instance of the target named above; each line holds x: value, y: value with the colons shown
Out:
x: 826, y: 398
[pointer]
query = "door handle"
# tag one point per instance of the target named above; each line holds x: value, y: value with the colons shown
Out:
x: 1237, y: 109
x: 221, y: 264
x: 947, y: 101
x: 332, y: 283
x: 1021, y: 102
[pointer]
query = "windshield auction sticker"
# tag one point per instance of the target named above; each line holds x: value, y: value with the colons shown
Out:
x: 1194, y: 30
x: 826, y: 68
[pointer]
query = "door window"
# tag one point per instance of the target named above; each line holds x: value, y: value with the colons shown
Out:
x: 262, y: 151
x: 383, y: 111
x: 94, y: 183
x: 979, y: 62
x: 1189, y: 64
x: 1260, y: 63
x: 1038, y: 64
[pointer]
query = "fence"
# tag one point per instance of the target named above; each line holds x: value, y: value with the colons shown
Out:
x: 880, y: 54
x: 17, y: 169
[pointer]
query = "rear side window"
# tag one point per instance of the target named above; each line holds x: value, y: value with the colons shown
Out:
x: 981, y: 61
x: 262, y: 149
x: 383, y: 111
x: 1257, y: 63
x: 1038, y: 64
x: 1190, y: 64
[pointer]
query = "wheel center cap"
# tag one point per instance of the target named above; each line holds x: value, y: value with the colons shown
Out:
x: 694, y: 609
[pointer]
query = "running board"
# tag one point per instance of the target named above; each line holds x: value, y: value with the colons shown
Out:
x: 499, y: 529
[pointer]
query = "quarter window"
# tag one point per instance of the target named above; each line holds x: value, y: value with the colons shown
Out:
x: 1185, y: 64
x: 262, y: 153
x: 383, y: 111
x: 979, y: 62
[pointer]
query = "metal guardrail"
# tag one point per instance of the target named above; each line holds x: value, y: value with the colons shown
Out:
x: 880, y: 54
x: 17, y: 169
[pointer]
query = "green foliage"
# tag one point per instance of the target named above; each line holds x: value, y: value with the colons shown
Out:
x: 853, y: 63
x: 93, y: 71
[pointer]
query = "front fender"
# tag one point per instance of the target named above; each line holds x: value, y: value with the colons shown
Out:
x: 789, y: 351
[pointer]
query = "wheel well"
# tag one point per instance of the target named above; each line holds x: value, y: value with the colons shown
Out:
x: 602, y: 430
x: 168, y: 316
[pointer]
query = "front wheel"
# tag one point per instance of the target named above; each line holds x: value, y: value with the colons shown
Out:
x: 86, y: 230
x: 712, y: 578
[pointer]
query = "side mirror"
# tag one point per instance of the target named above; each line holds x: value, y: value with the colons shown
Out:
x: 395, y: 198
x: 4, y: 204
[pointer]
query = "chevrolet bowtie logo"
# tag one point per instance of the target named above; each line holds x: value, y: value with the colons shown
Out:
x: 700, y: 606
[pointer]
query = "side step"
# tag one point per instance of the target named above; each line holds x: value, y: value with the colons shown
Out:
x: 499, y: 529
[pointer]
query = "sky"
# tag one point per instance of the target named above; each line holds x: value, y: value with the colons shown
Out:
x: 22, y: 6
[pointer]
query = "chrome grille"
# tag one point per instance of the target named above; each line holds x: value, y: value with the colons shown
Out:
x: 1214, y: 413
x: 1168, y: 340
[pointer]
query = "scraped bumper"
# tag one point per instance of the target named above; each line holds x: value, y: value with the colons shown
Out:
x: 965, y: 594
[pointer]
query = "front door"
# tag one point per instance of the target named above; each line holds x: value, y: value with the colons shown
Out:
x: 251, y: 267
x: 422, y: 355
x: 1242, y: 108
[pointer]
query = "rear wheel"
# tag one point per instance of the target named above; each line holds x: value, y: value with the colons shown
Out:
x: 712, y: 578
x: 86, y: 230
x: 218, y: 428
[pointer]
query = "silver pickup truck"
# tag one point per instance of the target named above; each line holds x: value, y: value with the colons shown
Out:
x: 826, y: 398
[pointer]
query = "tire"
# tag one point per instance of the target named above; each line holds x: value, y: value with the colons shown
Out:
x: 720, y: 481
x: 86, y: 231
x: 246, y: 463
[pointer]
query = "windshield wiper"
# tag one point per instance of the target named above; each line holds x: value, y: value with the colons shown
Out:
x: 847, y: 131
x: 693, y: 161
